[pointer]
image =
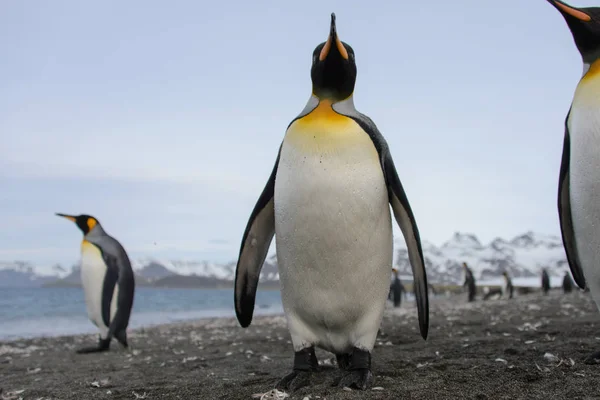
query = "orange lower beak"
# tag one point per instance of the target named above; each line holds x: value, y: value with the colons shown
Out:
x: 333, y: 38
x: 573, y: 12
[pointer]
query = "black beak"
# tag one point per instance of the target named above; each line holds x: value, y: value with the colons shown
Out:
x: 332, y: 30
x: 69, y: 217
x: 333, y: 40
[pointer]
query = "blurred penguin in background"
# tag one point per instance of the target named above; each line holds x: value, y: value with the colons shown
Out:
x: 432, y: 289
x: 469, y: 282
x: 545, y: 281
x: 567, y: 283
x: 396, y: 290
x: 508, y: 288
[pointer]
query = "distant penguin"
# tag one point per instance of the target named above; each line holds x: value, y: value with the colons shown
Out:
x: 397, y: 289
x: 494, y: 293
x: 545, y: 281
x: 432, y: 289
x: 508, y: 288
x: 328, y: 201
x: 567, y: 283
x: 469, y: 282
x: 579, y: 186
x: 107, y: 280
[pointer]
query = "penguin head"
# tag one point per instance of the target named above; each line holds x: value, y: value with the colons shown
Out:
x: 464, y: 265
x: 85, y: 222
x: 333, y: 71
x: 584, y: 24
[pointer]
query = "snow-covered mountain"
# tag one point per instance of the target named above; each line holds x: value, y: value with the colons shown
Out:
x: 522, y: 256
x: 24, y: 274
x: 149, y: 268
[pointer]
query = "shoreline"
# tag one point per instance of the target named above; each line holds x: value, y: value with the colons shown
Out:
x: 258, y: 314
x: 226, y: 320
x: 267, y: 287
x: 482, y: 350
x: 132, y: 331
x: 50, y: 312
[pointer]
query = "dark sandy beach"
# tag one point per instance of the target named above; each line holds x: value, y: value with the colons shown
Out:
x: 531, y: 347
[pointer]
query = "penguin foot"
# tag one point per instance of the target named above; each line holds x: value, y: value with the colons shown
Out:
x: 358, y: 379
x: 343, y: 361
x: 305, y: 361
x: 294, y: 381
x: 593, y: 358
x: 359, y: 374
x: 94, y: 349
x: 103, y: 345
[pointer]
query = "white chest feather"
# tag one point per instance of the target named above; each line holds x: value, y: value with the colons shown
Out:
x: 93, y: 270
x: 584, y: 129
x: 333, y: 231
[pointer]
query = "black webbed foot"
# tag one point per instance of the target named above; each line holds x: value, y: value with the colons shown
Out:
x: 103, y: 345
x: 305, y: 362
x: 357, y: 379
x: 593, y: 358
x: 294, y: 381
x: 358, y: 373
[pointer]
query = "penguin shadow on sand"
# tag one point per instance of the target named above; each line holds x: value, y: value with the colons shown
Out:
x: 108, y: 283
x: 334, y: 241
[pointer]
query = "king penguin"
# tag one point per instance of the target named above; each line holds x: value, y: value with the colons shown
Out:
x: 507, y: 289
x: 108, y: 282
x: 579, y: 180
x: 328, y: 203
x: 545, y: 281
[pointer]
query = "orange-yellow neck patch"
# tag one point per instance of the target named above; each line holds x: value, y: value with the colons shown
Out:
x: 91, y: 223
x: 324, y: 130
x: 593, y: 71
x: 89, y: 249
x: 587, y: 93
x: 86, y: 246
x: 323, y: 114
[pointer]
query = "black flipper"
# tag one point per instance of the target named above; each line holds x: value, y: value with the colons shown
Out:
x: 564, y: 211
x: 120, y: 320
x: 119, y: 272
x: 408, y: 226
x: 253, y: 251
x: 121, y: 337
x: 108, y: 287
x: 402, y: 211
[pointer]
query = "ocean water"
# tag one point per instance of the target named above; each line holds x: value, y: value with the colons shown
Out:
x: 36, y: 312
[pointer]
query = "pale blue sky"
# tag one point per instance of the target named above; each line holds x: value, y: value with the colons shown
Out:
x: 163, y: 119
